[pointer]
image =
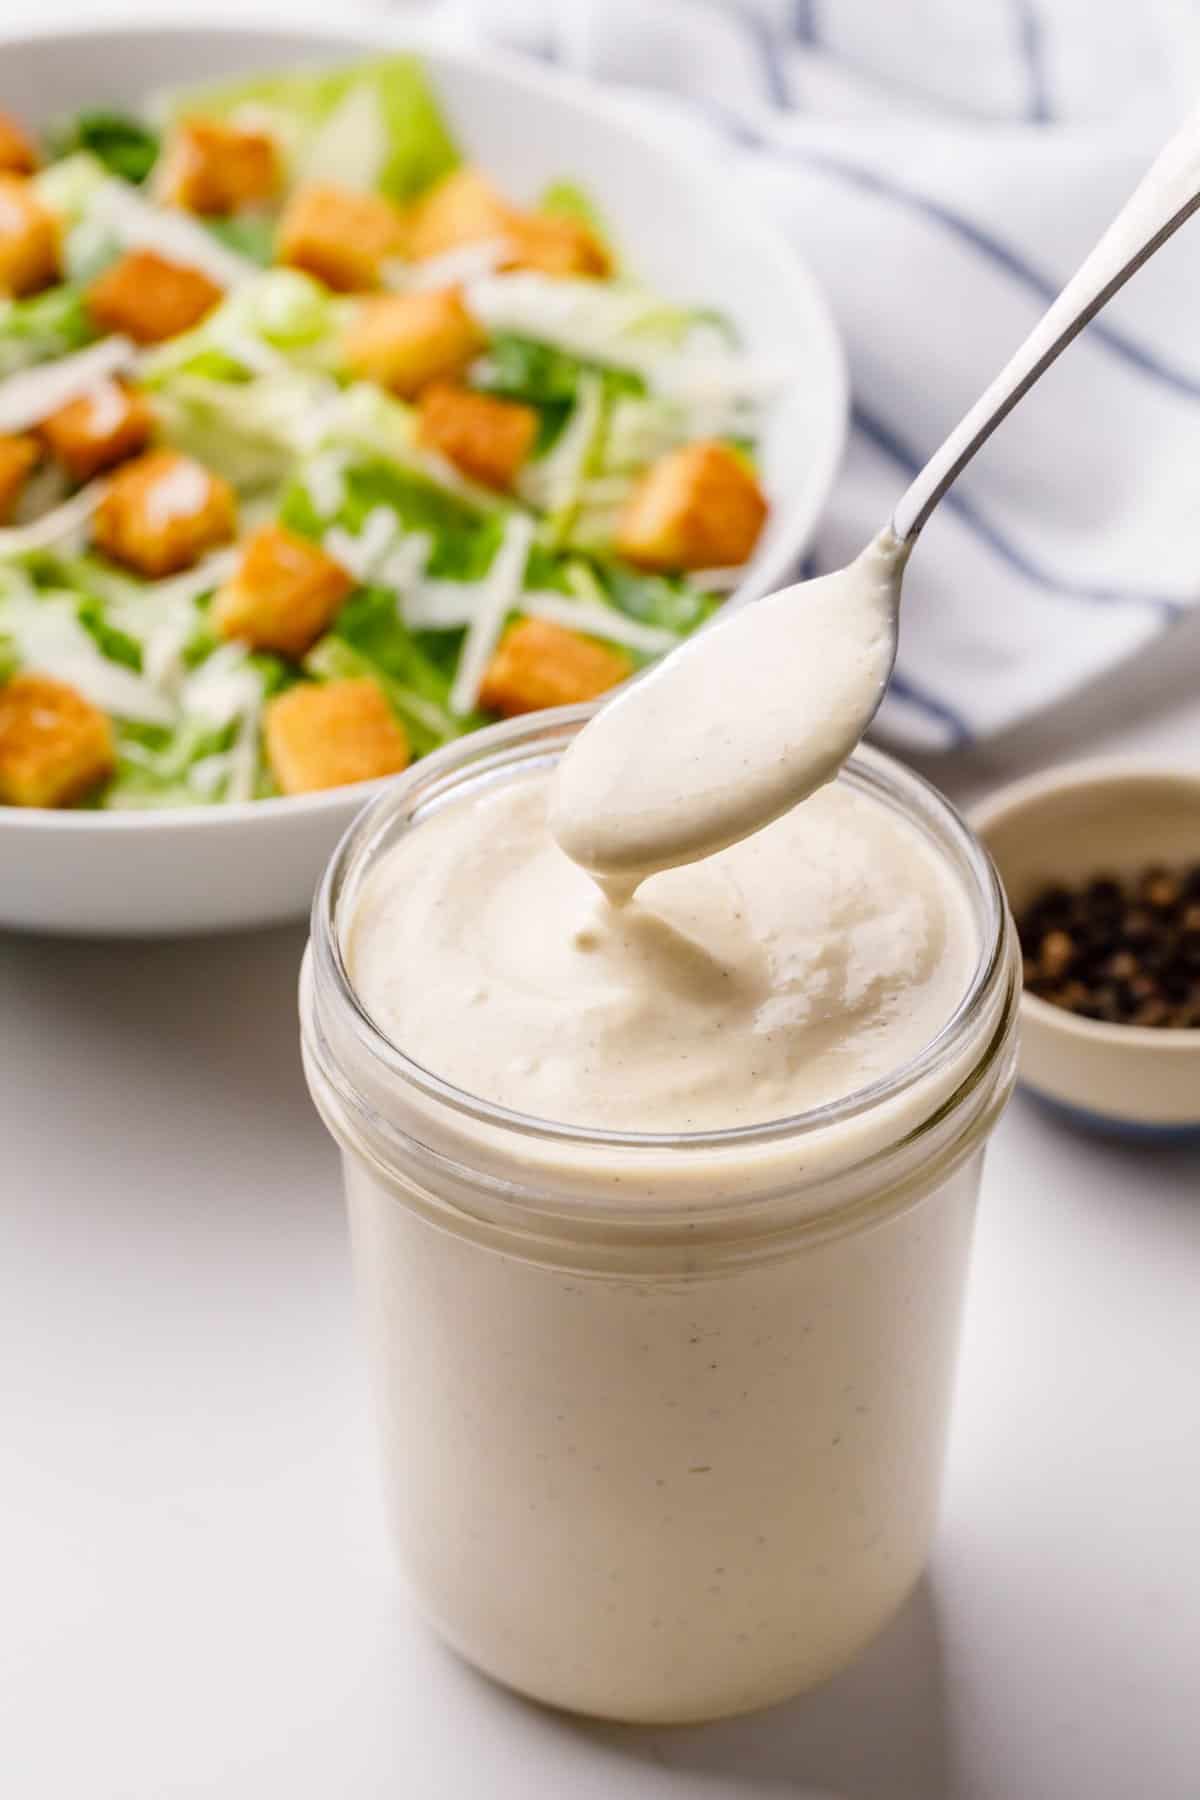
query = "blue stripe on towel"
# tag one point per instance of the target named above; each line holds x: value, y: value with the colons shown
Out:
x: 1001, y: 255
x: 804, y: 22
x: 1032, y: 47
x: 884, y: 438
x: 764, y: 47
x: 919, y: 698
x: 904, y: 689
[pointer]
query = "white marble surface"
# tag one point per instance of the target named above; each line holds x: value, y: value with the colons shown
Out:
x: 195, y: 1592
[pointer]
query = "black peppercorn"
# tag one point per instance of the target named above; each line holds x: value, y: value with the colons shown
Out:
x: 1123, y: 950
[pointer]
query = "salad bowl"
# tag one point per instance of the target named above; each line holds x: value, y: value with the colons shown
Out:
x: 678, y: 224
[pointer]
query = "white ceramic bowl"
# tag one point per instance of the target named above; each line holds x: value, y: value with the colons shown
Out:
x: 679, y: 226
x: 1068, y: 825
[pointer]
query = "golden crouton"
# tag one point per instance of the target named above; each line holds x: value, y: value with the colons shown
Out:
x: 488, y: 439
x: 405, y: 341
x: 161, y: 513
x: 331, y: 735
x: 698, y: 507
x: 284, y: 594
x: 17, y: 458
x: 341, y: 237
x: 541, y: 664
x: 149, y: 299
x: 54, y: 744
x: 18, y: 153
x: 555, y: 245
x: 28, y: 238
x: 99, y: 429
x: 464, y: 208
x: 212, y: 168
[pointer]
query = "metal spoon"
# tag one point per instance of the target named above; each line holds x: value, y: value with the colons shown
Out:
x: 751, y: 716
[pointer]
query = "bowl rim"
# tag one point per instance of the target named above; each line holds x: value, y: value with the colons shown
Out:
x: 364, y: 32
x: 1091, y: 772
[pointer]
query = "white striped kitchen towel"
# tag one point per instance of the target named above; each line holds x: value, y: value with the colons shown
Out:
x: 943, y: 167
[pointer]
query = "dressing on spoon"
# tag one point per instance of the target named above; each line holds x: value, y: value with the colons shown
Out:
x: 733, y: 729
x: 752, y: 716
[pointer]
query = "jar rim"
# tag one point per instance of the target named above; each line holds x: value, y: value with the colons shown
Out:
x: 487, y: 755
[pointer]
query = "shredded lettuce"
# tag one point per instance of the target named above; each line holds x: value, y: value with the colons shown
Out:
x: 543, y: 374
x: 253, y: 431
x: 69, y: 187
x: 370, y: 638
x: 47, y: 325
x: 248, y: 234
x: 377, y: 119
x: 364, y: 419
x: 670, y: 601
x: 462, y: 541
x: 278, y: 319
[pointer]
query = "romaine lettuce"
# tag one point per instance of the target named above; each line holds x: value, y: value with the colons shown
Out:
x: 370, y: 638
x: 46, y: 325
x: 124, y: 145
x: 323, y: 118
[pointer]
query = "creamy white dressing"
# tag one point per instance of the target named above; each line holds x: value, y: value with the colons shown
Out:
x: 739, y: 725
x: 789, y: 971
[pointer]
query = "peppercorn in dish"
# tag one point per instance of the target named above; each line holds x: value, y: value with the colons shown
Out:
x: 1124, y: 950
x: 319, y: 449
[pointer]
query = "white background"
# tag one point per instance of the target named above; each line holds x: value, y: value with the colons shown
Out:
x: 195, y: 1592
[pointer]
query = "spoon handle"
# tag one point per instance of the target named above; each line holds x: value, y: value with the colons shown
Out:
x: 1167, y: 195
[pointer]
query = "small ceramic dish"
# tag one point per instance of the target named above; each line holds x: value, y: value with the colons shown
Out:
x: 1066, y: 826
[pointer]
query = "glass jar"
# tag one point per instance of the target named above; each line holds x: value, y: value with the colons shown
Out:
x: 663, y: 1416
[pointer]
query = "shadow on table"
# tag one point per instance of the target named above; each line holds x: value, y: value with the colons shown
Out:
x: 875, y: 1732
x: 876, y: 1729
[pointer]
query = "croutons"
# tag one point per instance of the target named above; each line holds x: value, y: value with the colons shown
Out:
x: 17, y: 458
x: 28, y: 239
x: 284, y: 594
x: 149, y: 299
x: 54, y: 744
x: 464, y: 208
x: 488, y: 439
x: 161, y: 513
x: 341, y: 237
x: 99, y: 429
x: 542, y: 664
x: 405, y: 341
x: 212, y: 168
x: 18, y: 153
x: 328, y: 736
x: 698, y: 507
x: 554, y: 245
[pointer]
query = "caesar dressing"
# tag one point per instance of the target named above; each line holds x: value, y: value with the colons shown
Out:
x: 663, y: 1402
x: 782, y: 974
x: 732, y: 730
